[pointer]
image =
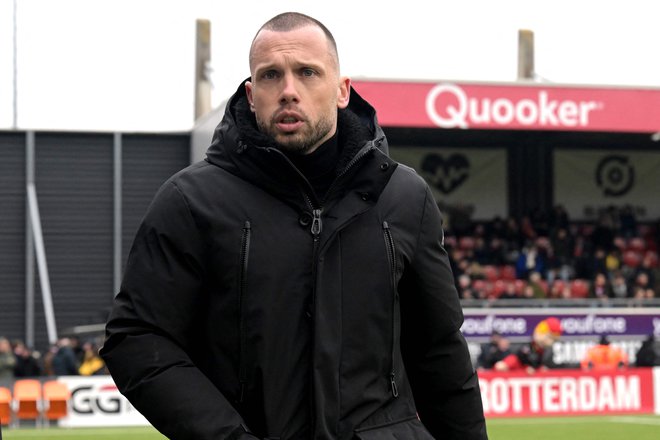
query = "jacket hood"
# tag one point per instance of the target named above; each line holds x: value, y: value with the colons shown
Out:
x: 241, y: 149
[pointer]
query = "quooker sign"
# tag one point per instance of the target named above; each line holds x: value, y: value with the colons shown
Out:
x: 449, y: 106
x: 513, y: 106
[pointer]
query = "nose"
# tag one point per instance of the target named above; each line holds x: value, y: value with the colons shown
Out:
x: 289, y: 91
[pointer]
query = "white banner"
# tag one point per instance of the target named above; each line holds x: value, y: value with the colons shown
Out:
x: 95, y: 401
x: 468, y: 178
x: 587, y: 182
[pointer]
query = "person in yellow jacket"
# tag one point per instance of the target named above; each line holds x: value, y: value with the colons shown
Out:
x: 92, y: 363
x: 604, y: 357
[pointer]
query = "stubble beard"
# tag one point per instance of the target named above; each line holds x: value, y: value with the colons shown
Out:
x: 301, y: 141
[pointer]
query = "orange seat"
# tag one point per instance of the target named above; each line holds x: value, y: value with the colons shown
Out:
x: 27, y: 399
x: 56, y: 396
x: 5, y: 406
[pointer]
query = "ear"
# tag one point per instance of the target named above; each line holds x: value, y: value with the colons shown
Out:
x: 248, y: 93
x: 343, y: 92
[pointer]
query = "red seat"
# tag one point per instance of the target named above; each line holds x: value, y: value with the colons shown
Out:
x: 636, y: 244
x: 482, y: 287
x: 508, y: 272
x: 499, y: 287
x: 491, y: 272
x: 466, y: 243
x: 579, y: 288
x: 632, y: 258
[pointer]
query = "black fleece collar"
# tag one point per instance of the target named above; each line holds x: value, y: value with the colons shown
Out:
x: 352, y: 134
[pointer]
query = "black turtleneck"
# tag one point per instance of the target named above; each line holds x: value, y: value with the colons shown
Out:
x: 319, y: 166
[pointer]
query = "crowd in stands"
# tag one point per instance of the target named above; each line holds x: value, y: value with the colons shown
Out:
x: 67, y: 357
x: 546, y: 255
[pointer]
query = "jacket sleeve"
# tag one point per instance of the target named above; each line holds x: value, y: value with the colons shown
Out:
x: 444, y: 382
x: 148, y: 327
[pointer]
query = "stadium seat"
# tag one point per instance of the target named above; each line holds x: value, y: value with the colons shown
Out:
x: 56, y: 395
x: 636, y: 244
x: 579, y: 288
x: 499, y: 287
x: 508, y: 272
x: 466, y: 243
x: 632, y: 258
x: 652, y: 257
x: 5, y: 406
x: 491, y: 272
x: 27, y: 399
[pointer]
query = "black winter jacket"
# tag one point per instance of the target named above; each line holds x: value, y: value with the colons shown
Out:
x: 251, y: 307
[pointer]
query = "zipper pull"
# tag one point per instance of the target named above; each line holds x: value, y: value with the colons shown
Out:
x: 317, y: 225
x: 395, y: 389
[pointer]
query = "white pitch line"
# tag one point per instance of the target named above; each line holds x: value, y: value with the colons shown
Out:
x: 636, y: 420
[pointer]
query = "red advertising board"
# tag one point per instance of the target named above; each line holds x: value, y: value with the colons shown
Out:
x: 567, y: 392
x: 513, y: 106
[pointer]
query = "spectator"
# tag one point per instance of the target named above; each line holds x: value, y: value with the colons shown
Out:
x: 530, y: 260
x: 600, y: 288
x: 647, y: 355
x: 537, y: 354
x: 561, y: 264
x: 604, y: 357
x: 92, y: 363
x: 465, y: 286
x: 7, y: 360
x: 27, y: 362
x: 509, y: 292
x: 493, y: 351
x: 536, y: 283
x: 64, y: 362
x: 627, y: 222
x: 619, y: 287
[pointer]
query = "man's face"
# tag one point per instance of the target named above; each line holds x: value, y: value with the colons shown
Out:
x: 295, y: 89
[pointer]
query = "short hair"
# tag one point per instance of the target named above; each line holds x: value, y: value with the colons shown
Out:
x: 289, y: 21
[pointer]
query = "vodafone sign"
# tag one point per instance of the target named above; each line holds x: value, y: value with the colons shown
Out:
x: 529, y: 107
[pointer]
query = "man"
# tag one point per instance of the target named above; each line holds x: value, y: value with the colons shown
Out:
x: 604, y: 357
x: 294, y: 284
x: 535, y: 355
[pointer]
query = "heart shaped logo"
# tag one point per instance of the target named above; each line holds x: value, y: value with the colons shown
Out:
x: 445, y: 174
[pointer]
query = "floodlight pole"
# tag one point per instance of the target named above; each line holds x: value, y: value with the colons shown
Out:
x: 525, y: 54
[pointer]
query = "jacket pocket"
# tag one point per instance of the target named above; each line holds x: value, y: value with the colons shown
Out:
x: 391, y: 257
x: 242, y: 288
x: 406, y: 429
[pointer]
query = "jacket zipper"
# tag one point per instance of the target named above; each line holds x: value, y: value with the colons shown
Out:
x: 245, y: 253
x: 315, y: 229
x: 391, y: 256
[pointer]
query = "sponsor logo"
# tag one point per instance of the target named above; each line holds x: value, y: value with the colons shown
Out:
x: 446, y: 174
x: 449, y: 106
x: 615, y: 175
x: 547, y: 395
x: 105, y: 399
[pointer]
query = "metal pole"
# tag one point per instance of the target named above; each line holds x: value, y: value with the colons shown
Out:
x: 29, y: 244
x: 525, y: 54
x: 40, y: 249
x: 202, y: 65
x: 117, y: 263
x: 14, y: 123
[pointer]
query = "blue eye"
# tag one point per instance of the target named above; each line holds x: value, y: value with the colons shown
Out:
x: 308, y: 72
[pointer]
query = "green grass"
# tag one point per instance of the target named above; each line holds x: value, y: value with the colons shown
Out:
x: 147, y: 433
x: 575, y: 428
x: 547, y: 428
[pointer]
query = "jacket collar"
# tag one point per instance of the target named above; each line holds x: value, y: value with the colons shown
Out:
x: 241, y: 149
